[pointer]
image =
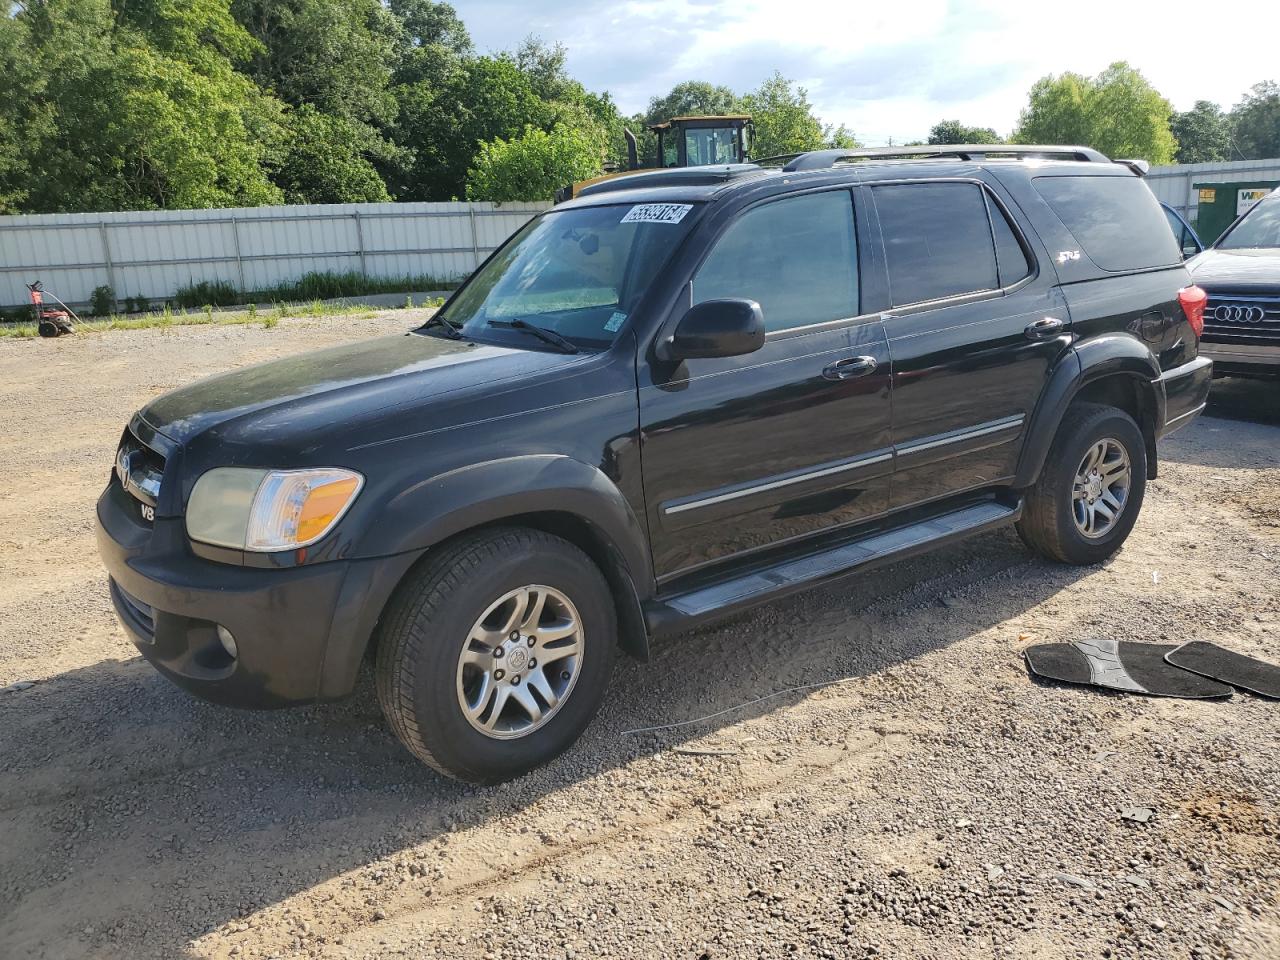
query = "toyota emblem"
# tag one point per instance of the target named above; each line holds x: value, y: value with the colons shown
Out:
x: 1238, y: 313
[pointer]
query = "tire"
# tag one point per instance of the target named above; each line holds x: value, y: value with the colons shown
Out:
x: 1052, y: 524
x: 452, y: 605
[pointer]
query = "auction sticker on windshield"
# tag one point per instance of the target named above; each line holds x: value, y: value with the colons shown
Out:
x: 657, y: 213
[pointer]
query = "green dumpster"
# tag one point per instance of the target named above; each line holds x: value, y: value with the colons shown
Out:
x: 1221, y: 203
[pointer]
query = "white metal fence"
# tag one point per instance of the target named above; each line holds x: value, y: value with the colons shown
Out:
x: 152, y: 253
x: 1175, y: 184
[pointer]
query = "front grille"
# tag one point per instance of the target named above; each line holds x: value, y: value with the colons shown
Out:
x: 1241, y: 318
x: 139, y: 469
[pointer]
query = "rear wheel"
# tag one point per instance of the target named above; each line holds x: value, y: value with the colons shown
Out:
x: 1090, y: 490
x: 493, y: 657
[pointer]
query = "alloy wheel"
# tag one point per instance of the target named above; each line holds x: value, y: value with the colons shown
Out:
x: 1101, y: 488
x: 520, y: 662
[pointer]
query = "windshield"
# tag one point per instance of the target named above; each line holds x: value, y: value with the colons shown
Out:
x: 578, y: 273
x: 1259, y: 228
x: 711, y: 145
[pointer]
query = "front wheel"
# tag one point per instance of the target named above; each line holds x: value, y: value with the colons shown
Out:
x: 1086, y: 501
x: 495, y: 654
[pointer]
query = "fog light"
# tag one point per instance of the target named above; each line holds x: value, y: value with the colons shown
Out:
x: 228, y: 641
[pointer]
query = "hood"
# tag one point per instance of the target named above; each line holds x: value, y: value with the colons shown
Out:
x: 1255, y: 269
x: 313, y: 390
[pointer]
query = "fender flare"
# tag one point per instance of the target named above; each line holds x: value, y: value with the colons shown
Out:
x: 434, y: 509
x: 1114, y: 355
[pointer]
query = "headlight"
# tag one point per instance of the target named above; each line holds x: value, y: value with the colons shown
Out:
x: 269, y: 510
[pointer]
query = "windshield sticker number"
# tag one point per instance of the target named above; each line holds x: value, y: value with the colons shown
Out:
x: 657, y: 213
x: 615, y: 321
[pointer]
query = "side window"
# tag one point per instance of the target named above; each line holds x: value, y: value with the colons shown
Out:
x: 937, y: 240
x: 1011, y: 260
x: 797, y: 258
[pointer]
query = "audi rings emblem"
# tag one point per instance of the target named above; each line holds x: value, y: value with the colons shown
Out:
x: 1238, y: 313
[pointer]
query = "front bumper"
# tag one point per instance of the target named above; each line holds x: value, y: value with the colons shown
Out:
x: 1186, y: 391
x: 1254, y: 359
x: 300, y: 632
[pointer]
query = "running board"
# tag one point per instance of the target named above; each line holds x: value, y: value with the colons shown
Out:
x: 685, y: 610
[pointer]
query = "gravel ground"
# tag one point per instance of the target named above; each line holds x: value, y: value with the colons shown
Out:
x: 934, y: 802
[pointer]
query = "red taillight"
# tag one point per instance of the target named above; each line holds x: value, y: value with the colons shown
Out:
x: 1193, y: 301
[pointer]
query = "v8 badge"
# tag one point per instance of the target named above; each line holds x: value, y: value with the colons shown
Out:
x: 148, y: 512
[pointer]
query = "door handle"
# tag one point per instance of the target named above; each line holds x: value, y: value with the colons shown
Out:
x: 1044, y: 329
x: 850, y: 367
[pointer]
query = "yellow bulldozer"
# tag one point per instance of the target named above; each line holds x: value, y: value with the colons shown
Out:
x: 683, y: 142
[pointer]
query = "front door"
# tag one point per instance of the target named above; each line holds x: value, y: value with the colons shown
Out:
x: 749, y: 452
x: 973, y: 331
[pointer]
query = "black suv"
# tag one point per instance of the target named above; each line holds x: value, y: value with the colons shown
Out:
x: 1241, y: 274
x: 681, y: 394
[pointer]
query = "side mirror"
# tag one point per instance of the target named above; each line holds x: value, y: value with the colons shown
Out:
x: 718, y: 328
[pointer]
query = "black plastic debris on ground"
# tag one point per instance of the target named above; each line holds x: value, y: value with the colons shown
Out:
x: 1210, y: 660
x: 1121, y: 665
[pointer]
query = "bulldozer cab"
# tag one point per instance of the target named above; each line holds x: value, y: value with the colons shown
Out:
x: 699, y: 141
x: 683, y: 142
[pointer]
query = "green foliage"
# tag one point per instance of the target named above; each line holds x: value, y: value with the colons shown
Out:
x: 1117, y: 112
x: 219, y: 293
x: 1255, y: 122
x: 332, y: 286
x: 532, y: 166
x: 953, y: 131
x: 102, y: 301
x: 785, y: 122
x: 475, y: 102
x: 1203, y: 133
x: 329, y: 159
x: 331, y: 54
x: 692, y: 98
x: 138, y: 110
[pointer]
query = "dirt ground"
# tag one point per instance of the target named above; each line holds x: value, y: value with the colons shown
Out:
x: 933, y: 803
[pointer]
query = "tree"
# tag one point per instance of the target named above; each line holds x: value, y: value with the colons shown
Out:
x: 336, y: 55
x: 953, y: 131
x: 1203, y: 133
x: 137, y: 109
x: 532, y: 166
x: 326, y: 159
x: 426, y: 23
x: 1117, y: 112
x: 785, y: 123
x: 692, y: 98
x: 445, y: 121
x: 1255, y: 122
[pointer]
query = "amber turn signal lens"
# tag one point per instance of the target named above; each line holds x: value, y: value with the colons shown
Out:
x: 323, y: 505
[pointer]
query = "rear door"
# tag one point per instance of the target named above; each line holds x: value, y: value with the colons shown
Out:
x: 973, y: 328
x: 745, y: 453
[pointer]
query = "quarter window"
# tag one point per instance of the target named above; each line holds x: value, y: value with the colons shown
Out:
x: 1115, y: 219
x: 937, y: 240
x: 797, y: 258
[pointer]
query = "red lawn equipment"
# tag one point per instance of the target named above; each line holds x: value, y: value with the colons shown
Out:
x: 52, y: 323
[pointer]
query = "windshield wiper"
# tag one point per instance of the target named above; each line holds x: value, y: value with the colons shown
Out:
x: 443, y: 322
x: 563, y: 344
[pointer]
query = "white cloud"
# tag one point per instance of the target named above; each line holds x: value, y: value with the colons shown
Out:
x: 893, y: 70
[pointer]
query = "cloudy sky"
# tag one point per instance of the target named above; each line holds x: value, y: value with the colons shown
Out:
x: 894, y: 69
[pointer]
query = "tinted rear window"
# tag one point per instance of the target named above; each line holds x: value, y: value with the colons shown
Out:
x: 937, y: 240
x: 1116, y: 220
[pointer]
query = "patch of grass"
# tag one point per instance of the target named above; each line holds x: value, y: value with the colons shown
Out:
x: 331, y: 286
x: 216, y: 293
x: 206, y: 315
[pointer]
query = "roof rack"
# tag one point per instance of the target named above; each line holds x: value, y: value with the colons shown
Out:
x: 673, y: 177
x: 822, y: 159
